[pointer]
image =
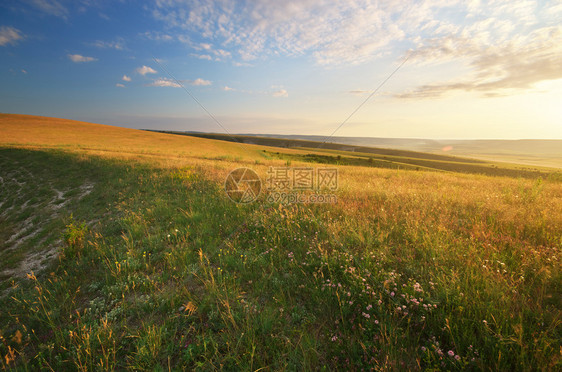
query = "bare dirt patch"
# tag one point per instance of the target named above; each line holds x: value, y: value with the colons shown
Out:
x: 28, y: 206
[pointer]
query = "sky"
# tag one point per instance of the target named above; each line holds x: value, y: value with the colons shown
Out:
x: 440, y: 69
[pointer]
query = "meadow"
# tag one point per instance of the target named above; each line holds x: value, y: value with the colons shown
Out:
x: 120, y: 250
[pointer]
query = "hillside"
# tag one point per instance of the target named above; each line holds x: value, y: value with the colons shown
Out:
x: 45, y: 132
x: 546, y: 153
x: 341, y: 153
x: 122, y: 250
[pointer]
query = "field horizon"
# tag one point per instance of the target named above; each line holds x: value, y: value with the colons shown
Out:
x: 125, y: 249
x: 524, y: 151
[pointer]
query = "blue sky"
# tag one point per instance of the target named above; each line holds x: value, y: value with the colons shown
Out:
x: 474, y: 69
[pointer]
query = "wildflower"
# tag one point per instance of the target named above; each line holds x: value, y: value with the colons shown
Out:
x: 392, y: 294
x: 369, y: 307
x: 451, y: 353
x: 376, y: 321
x: 423, y: 348
x: 457, y: 357
x: 334, y: 338
x: 366, y: 315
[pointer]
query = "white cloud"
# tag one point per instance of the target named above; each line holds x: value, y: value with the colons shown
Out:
x: 517, y: 64
x: 200, y: 81
x: 358, y: 92
x: 163, y: 82
x: 280, y: 93
x: 228, y: 89
x: 52, y: 7
x: 126, y: 78
x: 157, y: 36
x: 222, y: 53
x: 202, y: 56
x: 145, y: 70
x: 79, y: 58
x: 336, y: 32
x: 119, y: 85
x: 9, y: 35
x: 118, y: 44
x: 23, y: 71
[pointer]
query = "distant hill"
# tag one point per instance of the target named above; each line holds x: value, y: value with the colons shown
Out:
x: 546, y: 153
x: 348, y: 154
x: 536, y: 152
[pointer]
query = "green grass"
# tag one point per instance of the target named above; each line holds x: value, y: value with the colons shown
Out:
x: 412, y: 163
x: 161, y: 271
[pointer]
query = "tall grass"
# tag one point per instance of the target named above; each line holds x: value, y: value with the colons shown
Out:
x: 410, y: 270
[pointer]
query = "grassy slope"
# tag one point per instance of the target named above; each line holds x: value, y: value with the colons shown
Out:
x: 44, y: 132
x: 406, y: 266
x: 530, y: 152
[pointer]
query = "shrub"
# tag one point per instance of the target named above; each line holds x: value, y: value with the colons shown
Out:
x: 73, y: 237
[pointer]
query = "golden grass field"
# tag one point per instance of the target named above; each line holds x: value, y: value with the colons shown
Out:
x: 154, y: 268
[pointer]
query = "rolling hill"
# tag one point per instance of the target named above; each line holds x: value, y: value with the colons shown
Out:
x: 121, y: 249
x: 534, y: 152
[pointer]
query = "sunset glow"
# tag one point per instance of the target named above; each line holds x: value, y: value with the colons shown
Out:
x: 477, y: 69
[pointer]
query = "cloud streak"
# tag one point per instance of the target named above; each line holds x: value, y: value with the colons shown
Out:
x: 145, y: 70
x: 280, y: 93
x: 9, y: 35
x: 77, y: 58
x: 501, y: 44
x: 51, y: 7
x: 337, y: 31
x: 199, y: 82
x: 163, y: 82
x: 495, y: 70
x: 118, y: 44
